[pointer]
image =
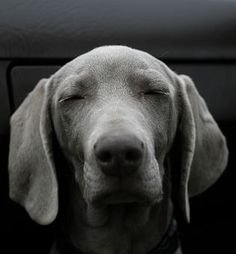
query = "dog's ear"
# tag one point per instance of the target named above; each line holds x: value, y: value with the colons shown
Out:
x: 204, y: 154
x: 32, y: 176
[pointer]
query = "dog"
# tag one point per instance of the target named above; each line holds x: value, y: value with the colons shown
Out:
x: 108, y: 146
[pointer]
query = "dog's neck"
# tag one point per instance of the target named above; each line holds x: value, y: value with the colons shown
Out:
x: 116, y: 229
x: 169, y: 244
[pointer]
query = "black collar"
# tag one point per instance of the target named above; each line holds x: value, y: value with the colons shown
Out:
x: 168, y: 245
x: 170, y: 241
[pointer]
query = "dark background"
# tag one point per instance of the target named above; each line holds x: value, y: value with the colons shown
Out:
x: 193, y: 37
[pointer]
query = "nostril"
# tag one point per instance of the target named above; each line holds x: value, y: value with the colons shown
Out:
x: 133, y: 155
x: 104, y: 156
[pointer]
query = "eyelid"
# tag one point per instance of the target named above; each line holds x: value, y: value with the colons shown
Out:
x: 155, y: 86
x: 155, y: 91
x: 71, y: 97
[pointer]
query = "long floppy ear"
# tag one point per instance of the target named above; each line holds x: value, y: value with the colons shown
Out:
x: 32, y: 175
x: 204, y: 152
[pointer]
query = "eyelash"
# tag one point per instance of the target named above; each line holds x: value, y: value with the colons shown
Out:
x: 154, y: 92
x: 72, y: 98
x: 142, y: 93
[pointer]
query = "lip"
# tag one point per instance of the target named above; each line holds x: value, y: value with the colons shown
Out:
x: 121, y: 198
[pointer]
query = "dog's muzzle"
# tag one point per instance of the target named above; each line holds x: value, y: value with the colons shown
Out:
x: 121, y: 168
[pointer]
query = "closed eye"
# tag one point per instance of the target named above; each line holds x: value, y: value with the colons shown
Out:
x: 72, y: 98
x: 154, y: 92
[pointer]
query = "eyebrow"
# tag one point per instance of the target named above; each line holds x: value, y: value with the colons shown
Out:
x: 148, y: 79
x: 76, y: 83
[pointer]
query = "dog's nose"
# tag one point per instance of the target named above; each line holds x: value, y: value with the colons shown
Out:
x: 119, y: 155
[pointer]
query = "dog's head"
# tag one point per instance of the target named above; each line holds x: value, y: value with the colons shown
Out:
x: 116, y: 113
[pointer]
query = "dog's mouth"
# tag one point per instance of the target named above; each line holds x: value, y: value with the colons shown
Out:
x: 121, y: 198
x: 132, y: 208
x: 139, y: 189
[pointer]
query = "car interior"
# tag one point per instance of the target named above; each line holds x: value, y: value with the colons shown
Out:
x: 197, y: 38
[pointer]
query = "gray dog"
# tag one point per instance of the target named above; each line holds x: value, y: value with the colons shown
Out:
x: 136, y: 138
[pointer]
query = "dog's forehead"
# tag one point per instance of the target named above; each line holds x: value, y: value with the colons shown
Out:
x: 107, y: 63
x: 110, y: 60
